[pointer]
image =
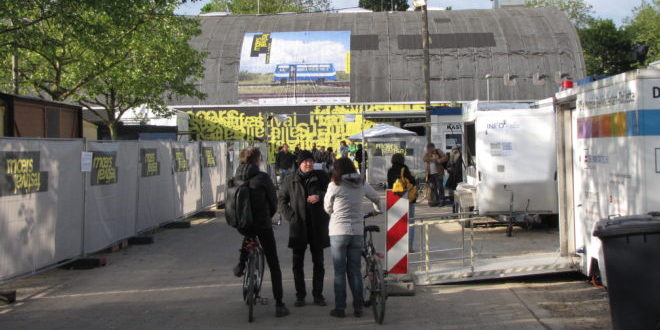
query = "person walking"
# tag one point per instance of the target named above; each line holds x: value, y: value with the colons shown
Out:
x: 394, y: 173
x: 434, y: 173
x: 343, y: 202
x: 285, y: 162
x: 263, y: 202
x: 352, y: 148
x: 301, y: 203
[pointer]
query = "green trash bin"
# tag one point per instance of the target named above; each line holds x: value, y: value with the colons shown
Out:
x: 631, y: 246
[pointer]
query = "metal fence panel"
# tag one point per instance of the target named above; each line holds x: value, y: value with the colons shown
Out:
x: 41, y: 202
x: 155, y: 186
x: 214, y: 171
x: 187, y: 188
x: 111, y: 194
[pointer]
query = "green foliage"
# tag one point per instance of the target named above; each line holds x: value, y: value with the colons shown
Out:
x: 607, y: 48
x: 265, y: 6
x: 578, y: 11
x: 109, y: 54
x: 644, y: 28
x: 384, y: 5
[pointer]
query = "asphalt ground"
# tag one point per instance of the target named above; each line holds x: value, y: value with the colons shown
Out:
x: 184, y: 281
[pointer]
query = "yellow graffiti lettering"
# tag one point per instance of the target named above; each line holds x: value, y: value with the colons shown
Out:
x: 26, y: 181
x: 320, y: 127
x: 108, y: 174
x: 20, y: 165
x: 102, y: 162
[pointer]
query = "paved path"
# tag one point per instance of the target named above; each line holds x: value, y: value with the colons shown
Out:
x: 184, y: 281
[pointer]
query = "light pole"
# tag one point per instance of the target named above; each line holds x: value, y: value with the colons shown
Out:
x: 427, y: 70
x: 488, y: 86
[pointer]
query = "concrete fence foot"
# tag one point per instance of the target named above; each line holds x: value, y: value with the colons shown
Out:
x: 177, y: 225
x: 141, y: 240
x: 8, y: 297
x: 86, y: 263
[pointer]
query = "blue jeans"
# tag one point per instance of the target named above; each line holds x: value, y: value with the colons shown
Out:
x: 411, y: 229
x: 284, y: 173
x: 347, y: 259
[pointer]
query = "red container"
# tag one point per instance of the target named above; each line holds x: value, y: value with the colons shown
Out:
x: 567, y: 84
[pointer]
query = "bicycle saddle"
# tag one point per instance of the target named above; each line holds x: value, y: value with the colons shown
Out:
x: 372, y: 228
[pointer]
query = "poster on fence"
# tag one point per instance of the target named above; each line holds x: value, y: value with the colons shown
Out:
x: 21, y: 173
x: 150, y: 163
x: 104, y: 168
x: 209, y: 157
x: 179, y: 160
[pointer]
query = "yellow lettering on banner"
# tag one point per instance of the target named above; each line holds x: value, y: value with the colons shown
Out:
x: 102, y: 162
x: 19, y: 165
x: 152, y: 167
x: 320, y: 127
x: 26, y: 181
x: 390, y: 148
x: 107, y: 174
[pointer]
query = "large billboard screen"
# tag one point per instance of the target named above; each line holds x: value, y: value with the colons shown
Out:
x: 310, y: 67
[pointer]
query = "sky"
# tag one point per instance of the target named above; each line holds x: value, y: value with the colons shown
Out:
x: 617, y: 10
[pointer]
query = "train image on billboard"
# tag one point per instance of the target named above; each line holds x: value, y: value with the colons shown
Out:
x: 317, y: 72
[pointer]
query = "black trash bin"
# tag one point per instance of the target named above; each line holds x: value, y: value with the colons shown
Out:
x: 631, y: 246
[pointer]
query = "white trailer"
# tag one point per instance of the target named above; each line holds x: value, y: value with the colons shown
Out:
x: 511, y: 158
x: 608, y: 135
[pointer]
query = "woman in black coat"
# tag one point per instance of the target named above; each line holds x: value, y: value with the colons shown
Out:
x: 300, y: 201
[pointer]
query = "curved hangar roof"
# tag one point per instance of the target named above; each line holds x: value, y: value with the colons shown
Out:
x: 525, y: 51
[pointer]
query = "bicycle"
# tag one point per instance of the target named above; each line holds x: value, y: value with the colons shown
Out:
x: 253, y: 276
x: 374, y: 278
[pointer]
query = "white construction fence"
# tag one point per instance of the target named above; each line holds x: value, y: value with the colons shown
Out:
x: 62, y: 199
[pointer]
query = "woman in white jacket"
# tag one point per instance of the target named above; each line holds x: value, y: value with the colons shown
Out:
x: 343, y: 202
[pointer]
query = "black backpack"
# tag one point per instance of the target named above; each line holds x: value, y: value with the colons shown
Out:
x: 238, y: 207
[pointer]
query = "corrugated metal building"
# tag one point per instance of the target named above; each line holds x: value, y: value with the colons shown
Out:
x: 525, y: 52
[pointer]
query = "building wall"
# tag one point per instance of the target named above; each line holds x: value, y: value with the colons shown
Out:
x: 526, y: 51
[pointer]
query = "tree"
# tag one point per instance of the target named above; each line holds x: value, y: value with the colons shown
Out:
x: 162, y: 65
x: 578, y: 12
x: 89, y: 50
x: 384, y: 5
x: 265, y: 6
x: 644, y: 29
x: 607, y: 49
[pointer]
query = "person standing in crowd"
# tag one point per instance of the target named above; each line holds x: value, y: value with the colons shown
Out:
x: 264, y: 206
x: 296, y: 150
x: 455, y: 169
x: 322, y: 156
x: 434, y: 173
x: 343, y: 149
x: 301, y: 203
x: 352, y: 148
x: 315, y: 153
x: 330, y: 159
x: 360, y: 157
x: 394, y: 172
x: 285, y: 162
x: 343, y: 202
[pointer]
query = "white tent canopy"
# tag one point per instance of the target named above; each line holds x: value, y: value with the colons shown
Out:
x: 382, y: 130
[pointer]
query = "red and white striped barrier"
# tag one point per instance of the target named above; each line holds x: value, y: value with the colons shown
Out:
x: 397, y: 234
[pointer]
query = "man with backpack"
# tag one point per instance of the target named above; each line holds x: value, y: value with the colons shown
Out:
x: 251, y: 203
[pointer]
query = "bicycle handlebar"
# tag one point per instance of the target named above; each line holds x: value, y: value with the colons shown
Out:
x: 371, y: 214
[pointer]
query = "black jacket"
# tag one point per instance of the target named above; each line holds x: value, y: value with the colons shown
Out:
x: 285, y: 160
x: 262, y: 194
x: 292, y: 198
x: 455, y: 169
x: 395, y: 172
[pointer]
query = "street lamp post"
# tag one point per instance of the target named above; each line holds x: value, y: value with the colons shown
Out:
x: 427, y: 65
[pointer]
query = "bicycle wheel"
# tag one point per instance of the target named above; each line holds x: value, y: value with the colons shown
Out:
x: 251, y: 286
x: 259, y: 269
x: 379, y: 293
x: 366, y: 280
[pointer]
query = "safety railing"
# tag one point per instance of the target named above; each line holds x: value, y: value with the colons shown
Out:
x: 465, y: 219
